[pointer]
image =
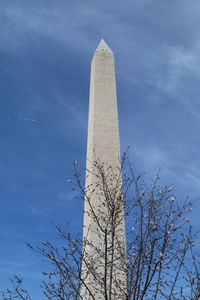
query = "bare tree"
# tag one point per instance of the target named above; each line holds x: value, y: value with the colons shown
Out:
x: 17, y: 291
x: 160, y: 258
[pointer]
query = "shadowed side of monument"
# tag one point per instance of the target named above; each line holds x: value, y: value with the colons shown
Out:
x: 104, y: 264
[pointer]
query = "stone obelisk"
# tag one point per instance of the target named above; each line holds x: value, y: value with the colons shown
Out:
x: 103, y: 151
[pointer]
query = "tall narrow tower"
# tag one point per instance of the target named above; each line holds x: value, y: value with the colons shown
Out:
x: 103, y: 270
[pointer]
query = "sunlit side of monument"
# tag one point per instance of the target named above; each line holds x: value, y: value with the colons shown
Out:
x: 104, y: 266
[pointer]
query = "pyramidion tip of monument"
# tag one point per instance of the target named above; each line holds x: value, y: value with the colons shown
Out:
x: 103, y: 46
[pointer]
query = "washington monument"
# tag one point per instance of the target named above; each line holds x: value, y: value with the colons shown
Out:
x: 103, y: 268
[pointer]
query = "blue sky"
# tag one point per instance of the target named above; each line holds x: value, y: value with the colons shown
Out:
x: 45, y: 52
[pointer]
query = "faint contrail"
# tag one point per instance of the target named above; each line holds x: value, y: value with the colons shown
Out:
x: 23, y: 119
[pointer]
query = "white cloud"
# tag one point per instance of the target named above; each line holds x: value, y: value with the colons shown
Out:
x: 27, y: 23
x: 185, y: 60
x: 182, y: 64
